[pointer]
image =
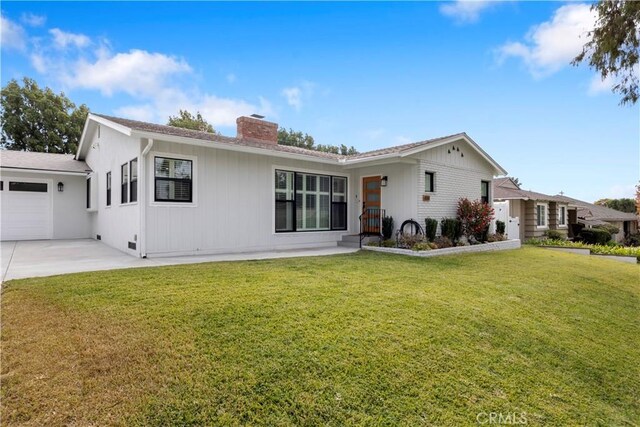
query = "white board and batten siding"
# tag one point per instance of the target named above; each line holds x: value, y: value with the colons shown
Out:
x: 44, y: 215
x: 233, y: 204
x: 117, y: 224
x: 455, y: 177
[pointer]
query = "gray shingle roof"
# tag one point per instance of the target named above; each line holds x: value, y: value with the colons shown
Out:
x: 41, y: 161
x: 206, y: 136
x: 591, y: 211
x: 512, y: 193
x: 402, y: 148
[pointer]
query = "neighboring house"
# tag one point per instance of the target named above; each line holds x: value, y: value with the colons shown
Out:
x: 529, y: 214
x: 153, y: 190
x: 591, y: 215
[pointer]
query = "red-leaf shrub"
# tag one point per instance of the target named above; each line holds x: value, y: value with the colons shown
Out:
x: 474, y: 217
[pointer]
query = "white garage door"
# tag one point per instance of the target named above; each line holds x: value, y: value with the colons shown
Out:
x: 25, y: 209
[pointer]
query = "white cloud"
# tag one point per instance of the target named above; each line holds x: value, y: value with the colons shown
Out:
x: 62, y: 39
x: 33, y: 20
x: 465, y: 11
x: 599, y: 85
x: 293, y: 95
x: 136, y: 72
x: 552, y: 45
x: 620, y: 191
x: 297, y: 95
x: 231, y: 78
x: 12, y: 35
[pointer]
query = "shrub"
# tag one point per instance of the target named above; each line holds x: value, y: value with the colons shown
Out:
x: 554, y: 235
x: 475, y: 218
x: 389, y: 243
x: 632, y: 240
x: 594, y: 236
x: 450, y: 228
x: 443, y: 242
x: 497, y: 237
x: 611, y: 229
x: 422, y: 246
x: 387, y: 227
x: 431, y: 226
x: 408, y: 241
x: 500, y: 227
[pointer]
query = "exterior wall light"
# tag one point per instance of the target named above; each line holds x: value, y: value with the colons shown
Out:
x: 60, y: 187
x: 383, y: 181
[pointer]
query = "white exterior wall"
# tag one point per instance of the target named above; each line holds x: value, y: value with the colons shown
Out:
x: 397, y: 198
x: 69, y: 216
x: 455, y: 177
x: 234, y: 204
x: 116, y: 224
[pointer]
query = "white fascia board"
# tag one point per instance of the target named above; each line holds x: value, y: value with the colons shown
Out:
x: 232, y: 147
x: 99, y: 120
x: 369, y: 159
x: 499, y: 169
x: 43, y: 171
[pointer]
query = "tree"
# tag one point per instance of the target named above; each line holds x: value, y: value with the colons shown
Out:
x: 612, y: 48
x: 186, y: 120
x: 638, y: 199
x: 298, y: 139
x: 622, y: 205
x: 35, y: 119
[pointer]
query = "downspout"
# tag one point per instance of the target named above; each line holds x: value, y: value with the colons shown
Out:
x: 143, y: 202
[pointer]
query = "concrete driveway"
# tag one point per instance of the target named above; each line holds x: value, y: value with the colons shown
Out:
x: 38, y: 258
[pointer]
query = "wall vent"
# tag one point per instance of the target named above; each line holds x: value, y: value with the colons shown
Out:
x: 132, y: 245
x: 98, y: 237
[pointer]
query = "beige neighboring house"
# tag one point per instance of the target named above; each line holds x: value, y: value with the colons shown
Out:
x: 529, y: 214
x: 590, y: 215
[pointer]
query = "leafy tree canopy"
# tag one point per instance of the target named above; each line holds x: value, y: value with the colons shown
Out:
x: 613, y: 46
x: 298, y: 139
x: 186, y: 120
x: 622, y: 205
x: 35, y: 119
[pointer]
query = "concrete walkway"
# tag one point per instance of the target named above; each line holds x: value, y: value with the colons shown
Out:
x: 39, y: 258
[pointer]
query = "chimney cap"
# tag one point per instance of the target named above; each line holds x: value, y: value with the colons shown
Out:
x: 257, y: 116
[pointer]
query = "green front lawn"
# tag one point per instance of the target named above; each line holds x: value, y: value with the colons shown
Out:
x: 366, y: 338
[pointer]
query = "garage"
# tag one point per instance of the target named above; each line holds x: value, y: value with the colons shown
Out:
x: 26, y: 209
x: 42, y: 196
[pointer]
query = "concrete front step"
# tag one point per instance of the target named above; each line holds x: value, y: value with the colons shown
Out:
x: 349, y: 244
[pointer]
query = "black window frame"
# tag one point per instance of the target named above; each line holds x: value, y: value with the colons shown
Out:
x: 433, y: 182
x: 293, y: 202
x: 160, y: 178
x: 133, y: 183
x: 29, y: 186
x: 88, y: 192
x: 108, y: 184
x: 124, y: 184
x: 487, y: 198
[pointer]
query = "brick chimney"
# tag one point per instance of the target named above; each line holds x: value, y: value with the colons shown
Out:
x: 256, y: 130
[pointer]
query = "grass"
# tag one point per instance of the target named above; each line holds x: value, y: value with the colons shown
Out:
x: 361, y: 339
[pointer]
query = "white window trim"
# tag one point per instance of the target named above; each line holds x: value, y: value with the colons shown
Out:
x: 566, y: 219
x: 290, y: 168
x: 151, y: 174
x: 546, y: 214
x: 129, y: 202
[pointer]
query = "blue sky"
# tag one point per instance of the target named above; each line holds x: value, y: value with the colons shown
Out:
x: 363, y: 74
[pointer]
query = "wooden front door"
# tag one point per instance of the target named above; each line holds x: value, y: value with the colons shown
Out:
x: 371, y: 204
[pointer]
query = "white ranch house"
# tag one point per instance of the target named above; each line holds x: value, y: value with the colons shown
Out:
x: 151, y: 190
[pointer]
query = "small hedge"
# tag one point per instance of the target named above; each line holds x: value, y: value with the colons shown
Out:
x: 431, y: 226
x: 387, y: 227
x: 594, y: 236
x: 500, y: 227
x: 451, y: 228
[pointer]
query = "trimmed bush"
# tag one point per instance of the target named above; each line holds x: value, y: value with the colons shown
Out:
x: 611, y: 229
x: 594, y: 236
x: 431, y: 226
x: 422, y: 246
x: 500, y: 227
x: 554, y: 235
x: 450, y: 228
x: 387, y: 227
x: 443, y: 242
